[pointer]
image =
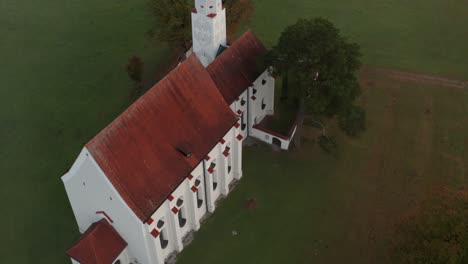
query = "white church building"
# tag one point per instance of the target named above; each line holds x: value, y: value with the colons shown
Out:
x: 142, y: 184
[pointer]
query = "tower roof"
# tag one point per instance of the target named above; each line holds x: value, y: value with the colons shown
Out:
x: 236, y: 68
x: 140, y: 150
x: 100, y: 244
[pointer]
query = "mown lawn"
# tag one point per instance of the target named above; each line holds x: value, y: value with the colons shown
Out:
x: 419, y: 35
x: 63, y: 79
x: 316, y: 208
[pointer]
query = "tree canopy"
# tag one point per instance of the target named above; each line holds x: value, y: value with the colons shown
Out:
x: 321, y: 66
x: 174, y: 19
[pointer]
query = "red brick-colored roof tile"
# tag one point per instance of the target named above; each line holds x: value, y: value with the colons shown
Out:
x: 100, y: 244
x: 137, y: 151
x: 236, y: 68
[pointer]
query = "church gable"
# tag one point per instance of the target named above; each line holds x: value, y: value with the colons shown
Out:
x: 235, y: 69
x: 151, y: 147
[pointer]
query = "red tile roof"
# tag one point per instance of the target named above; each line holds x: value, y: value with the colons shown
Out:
x: 100, y: 244
x: 137, y: 151
x: 236, y: 68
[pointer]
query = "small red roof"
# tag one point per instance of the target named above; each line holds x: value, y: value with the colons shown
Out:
x: 138, y: 151
x: 100, y: 244
x: 236, y: 68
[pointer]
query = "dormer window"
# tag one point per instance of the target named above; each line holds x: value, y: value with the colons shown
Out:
x: 184, y: 150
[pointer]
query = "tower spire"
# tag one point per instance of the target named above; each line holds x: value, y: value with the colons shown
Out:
x: 208, y: 29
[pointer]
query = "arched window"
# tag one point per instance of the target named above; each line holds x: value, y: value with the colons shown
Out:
x: 181, y: 216
x: 214, y: 174
x: 243, y: 124
x: 242, y: 102
x: 160, y: 223
x: 199, y: 192
x: 163, y: 236
x: 180, y: 201
x: 263, y: 104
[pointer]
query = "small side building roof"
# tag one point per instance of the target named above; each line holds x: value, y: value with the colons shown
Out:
x: 235, y: 69
x: 153, y: 146
x: 100, y: 244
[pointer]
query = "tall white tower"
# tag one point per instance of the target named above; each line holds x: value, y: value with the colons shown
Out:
x: 208, y: 29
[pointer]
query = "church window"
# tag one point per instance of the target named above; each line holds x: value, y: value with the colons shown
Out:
x: 254, y: 91
x: 160, y: 223
x: 263, y: 82
x: 199, y: 192
x: 229, y: 160
x: 215, y: 177
x: 180, y: 202
x: 242, y: 101
x: 163, y: 238
x: 263, y: 104
x: 182, y: 218
x: 243, y: 124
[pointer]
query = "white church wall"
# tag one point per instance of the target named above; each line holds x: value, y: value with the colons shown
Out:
x: 165, y: 241
x: 270, y: 137
x: 208, y: 29
x: 92, y: 197
x: 261, y: 99
x: 123, y: 257
x: 213, y: 176
x: 240, y: 107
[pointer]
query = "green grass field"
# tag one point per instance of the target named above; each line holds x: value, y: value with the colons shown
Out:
x: 315, y: 208
x: 63, y: 80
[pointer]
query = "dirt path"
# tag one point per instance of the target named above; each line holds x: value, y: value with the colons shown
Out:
x: 413, y: 77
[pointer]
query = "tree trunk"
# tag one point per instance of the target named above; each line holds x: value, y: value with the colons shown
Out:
x: 300, y: 122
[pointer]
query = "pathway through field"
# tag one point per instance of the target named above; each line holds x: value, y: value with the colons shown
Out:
x: 413, y: 77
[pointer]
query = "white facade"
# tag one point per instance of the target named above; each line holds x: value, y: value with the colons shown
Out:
x: 93, y: 197
x: 208, y: 29
x: 261, y: 99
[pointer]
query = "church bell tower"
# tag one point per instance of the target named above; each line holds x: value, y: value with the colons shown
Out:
x: 208, y: 29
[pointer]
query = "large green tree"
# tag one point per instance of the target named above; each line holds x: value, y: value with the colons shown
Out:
x: 174, y: 19
x: 321, y: 67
